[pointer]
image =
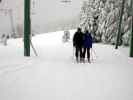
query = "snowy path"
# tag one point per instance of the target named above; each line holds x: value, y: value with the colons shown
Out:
x: 53, y: 75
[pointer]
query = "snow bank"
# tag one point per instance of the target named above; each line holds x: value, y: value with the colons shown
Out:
x: 53, y: 75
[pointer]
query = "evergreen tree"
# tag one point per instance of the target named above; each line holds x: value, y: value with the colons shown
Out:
x: 101, y: 17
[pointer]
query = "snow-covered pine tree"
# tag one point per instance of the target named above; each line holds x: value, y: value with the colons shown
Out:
x: 101, y: 17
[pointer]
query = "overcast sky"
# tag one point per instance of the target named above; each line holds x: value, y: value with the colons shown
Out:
x: 48, y: 13
x: 52, y: 10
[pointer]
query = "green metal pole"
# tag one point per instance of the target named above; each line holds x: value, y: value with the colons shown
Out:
x: 119, y: 28
x: 131, y: 43
x: 27, y: 28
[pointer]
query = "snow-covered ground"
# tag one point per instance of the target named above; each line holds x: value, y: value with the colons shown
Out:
x: 53, y: 75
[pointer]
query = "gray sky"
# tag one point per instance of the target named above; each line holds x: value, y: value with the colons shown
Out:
x: 53, y: 10
x: 49, y: 14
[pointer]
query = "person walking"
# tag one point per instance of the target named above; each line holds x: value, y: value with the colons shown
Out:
x: 87, y: 44
x: 78, y: 44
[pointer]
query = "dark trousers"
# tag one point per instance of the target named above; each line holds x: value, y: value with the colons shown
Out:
x: 88, y: 53
x: 78, y: 52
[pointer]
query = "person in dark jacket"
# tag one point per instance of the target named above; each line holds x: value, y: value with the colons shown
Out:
x: 78, y: 44
x: 87, y: 44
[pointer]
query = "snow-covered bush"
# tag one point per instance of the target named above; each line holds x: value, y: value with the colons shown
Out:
x: 66, y: 36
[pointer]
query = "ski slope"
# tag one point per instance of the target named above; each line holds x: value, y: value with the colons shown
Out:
x: 54, y: 75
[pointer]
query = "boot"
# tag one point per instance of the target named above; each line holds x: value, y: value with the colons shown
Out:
x: 83, y: 59
x: 77, y: 59
x: 89, y: 60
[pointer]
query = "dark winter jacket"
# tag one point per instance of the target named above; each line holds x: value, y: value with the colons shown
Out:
x: 78, y: 39
x: 87, y: 40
